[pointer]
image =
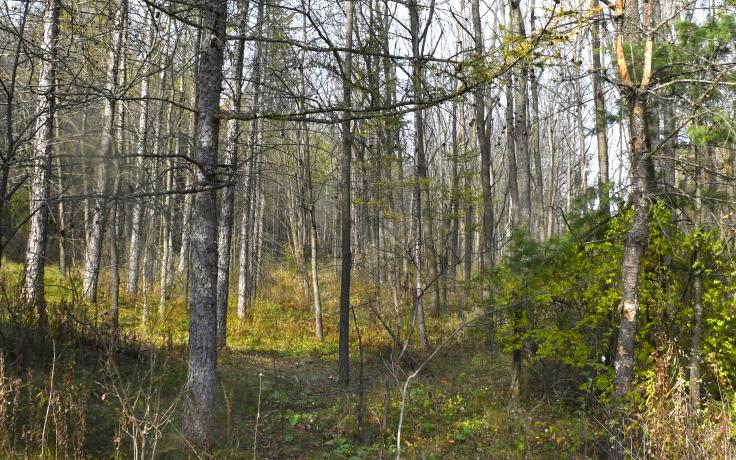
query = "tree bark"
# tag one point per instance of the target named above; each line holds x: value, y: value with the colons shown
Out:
x: 116, y: 208
x: 345, y: 211
x: 98, y: 217
x: 420, y: 287
x: 247, y: 229
x: 136, y: 226
x: 468, y: 227
x: 315, y: 275
x: 535, y: 144
x: 199, y: 393
x: 62, y: 217
x: 580, y: 125
x: 601, y: 124
x: 225, y: 230
x: 311, y: 201
x: 697, y: 334
x: 634, y: 243
x: 33, y: 287
x: 10, y: 141
x: 454, y: 200
x: 636, y: 238
x: 484, y: 143
x: 521, y: 134
x: 431, y: 280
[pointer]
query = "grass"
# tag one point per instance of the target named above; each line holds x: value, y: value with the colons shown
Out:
x: 457, y: 408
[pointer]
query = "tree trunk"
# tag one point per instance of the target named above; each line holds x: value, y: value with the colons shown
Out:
x: 580, y: 125
x: 136, y: 226
x: 98, y: 217
x: 164, y: 138
x: 62, y: 217
x: 86, y: 186
x: 167, y: 242
x: 33, y: 287
x: 521, y: 135
x: 315, y: 276
x: 247, y: 229
x: 345, y: 183
x: 199, y: 393
x: 635, y: 241
x: 258, y: 231
x: 116, y: 208
x: 697, y: 334
x: 185, y: 248
x: 454, y: 201
x: 512, y: 182
x: 535, y: 145
x: 516, y: 352
x: 468, y: 225
x: 601, y: 123
x: 225, y: 230
x: 311, y: 200
x: 636, y: 238
x: 523, y: 178
x: 10, y: 141
x: 484, y: 143
x: 420, y: 287
x: 246, y: 234
x: 431, y: 281
x: 552, y: 183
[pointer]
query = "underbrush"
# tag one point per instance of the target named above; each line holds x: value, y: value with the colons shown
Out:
x: 43, y: 415
x: 661, y: 422
x: 75, y: 393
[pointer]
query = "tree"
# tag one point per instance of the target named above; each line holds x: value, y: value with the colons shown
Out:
x: 33, y: 287
x: 520, y: 131
x: 136, y: 227
x: 199, y: 393
x: 346, y: 182
x: 247, y: 258
x: 11, y: 140
x: 99, y: 212
x: 304, y: 143
x: 484, y: 144
x: 635, y: 95
x: 423, y: 201
x: 224, y: 233
x: 601, y: 122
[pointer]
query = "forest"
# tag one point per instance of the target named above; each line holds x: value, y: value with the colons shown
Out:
x: 368, y: 229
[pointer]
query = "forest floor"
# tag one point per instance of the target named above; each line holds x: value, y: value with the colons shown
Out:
x: 278, y: 397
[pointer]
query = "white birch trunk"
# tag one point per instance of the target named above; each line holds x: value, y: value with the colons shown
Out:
x: 33, y: 287
x: 98, y: 213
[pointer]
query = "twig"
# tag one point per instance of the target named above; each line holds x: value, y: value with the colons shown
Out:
x: 429, y: 358
x: 51, y: 395
x: 258, y: 415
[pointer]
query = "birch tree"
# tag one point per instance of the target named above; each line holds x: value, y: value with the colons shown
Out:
x: 33, y: 287
x: 99, y: 211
